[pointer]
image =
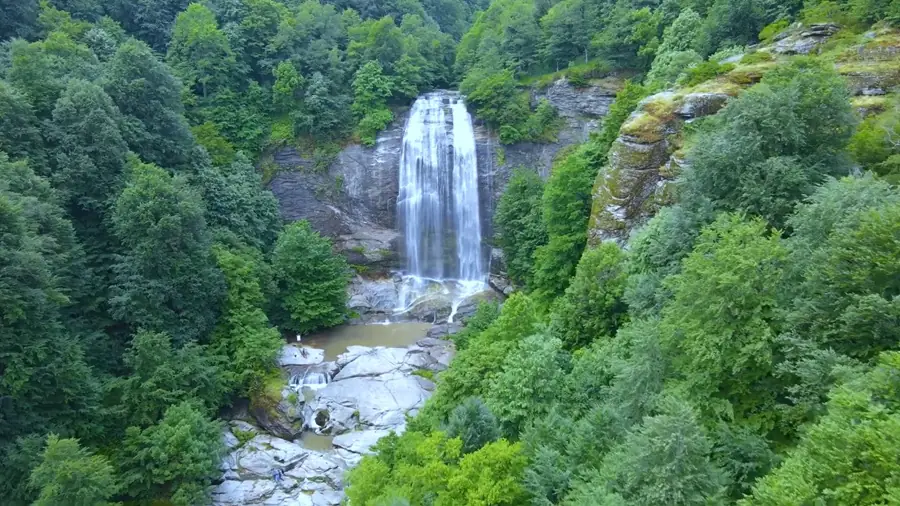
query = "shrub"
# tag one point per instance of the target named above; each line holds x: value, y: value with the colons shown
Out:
x: 757, y: 57
x: 773, y: 29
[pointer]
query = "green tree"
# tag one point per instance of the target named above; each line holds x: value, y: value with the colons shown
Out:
x: 849, y: 455
x: 149, y: 97
x: 311, y: 280
x: 519, y: 225
x: 200, y: 53
x: 176, y: 459
x: 237, y: 203
x: 161, y: 376
x: 371, y: 89
x: 257, y: 28
x: 475, y: 367
x: 40, y: 70
x: 244, y: 334
x: 666, y: 461
x: 566, y: 206
x: 149, y: 20
x: 530, y: 380
x: 87, y: 150
x: 220, y: 149
x: 474, y: 424
x: 286, y: 91
x: 46, y: 384
x: 19, y: 19
x: 732, y: 23
x: 491, y: 476
x: 167, y: 280
x: 723, y: 319
x: 20, y: 132
x: 414, y: 466
x: 70, y: 474
x: 568, y: 28
x: 770, y: 147
x: 592, y: 306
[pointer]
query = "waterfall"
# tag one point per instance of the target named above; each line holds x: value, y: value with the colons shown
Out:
x: 438, y: 207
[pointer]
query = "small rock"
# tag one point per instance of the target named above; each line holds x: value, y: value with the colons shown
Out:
x: 444, y: 330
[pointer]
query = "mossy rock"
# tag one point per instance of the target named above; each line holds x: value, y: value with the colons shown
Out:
x: 871, y: 105
x: 861, y: 76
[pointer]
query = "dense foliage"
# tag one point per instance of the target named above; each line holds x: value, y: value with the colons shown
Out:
x: 740, y: 347
x: 140, y: 250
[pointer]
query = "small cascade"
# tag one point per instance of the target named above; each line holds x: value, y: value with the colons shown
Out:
x: 438, y: 205
x: 310, y: 378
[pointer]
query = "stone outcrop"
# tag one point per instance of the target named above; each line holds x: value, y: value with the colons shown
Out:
x: 644, y: 161
x: 375, y: 388
x: 803, y: 40
x: 310, y: 478
x: 369, y: 395
x: 871, y: 68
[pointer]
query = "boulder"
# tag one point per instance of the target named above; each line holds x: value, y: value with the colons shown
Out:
x: 799, y: 40
x: 696, y: 105
x: 260, y: 456
x: 502, y: 284
x: 444, y: 330
x: 379, y: 402
x: 284, y: 419
x: 373, y: 296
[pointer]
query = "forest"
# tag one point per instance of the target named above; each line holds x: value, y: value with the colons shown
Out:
x: 741, y: 347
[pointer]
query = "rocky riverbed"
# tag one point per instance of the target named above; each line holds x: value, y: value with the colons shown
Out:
x: 362, y: 396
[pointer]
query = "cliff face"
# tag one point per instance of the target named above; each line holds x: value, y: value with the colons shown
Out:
x: 582, y: 110
x: 354, y: 200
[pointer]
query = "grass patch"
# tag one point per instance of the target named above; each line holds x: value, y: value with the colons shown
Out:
x: 650, y: 124
x: 243, y: 436
x: 871, y: 105
x: 424, y: 373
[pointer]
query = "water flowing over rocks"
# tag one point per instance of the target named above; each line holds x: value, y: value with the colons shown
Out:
x: 368, y: 394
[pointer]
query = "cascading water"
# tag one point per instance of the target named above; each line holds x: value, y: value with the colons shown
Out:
x: 438, y: 204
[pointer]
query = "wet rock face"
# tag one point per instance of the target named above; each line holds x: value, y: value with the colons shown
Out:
x: 353, y: 201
